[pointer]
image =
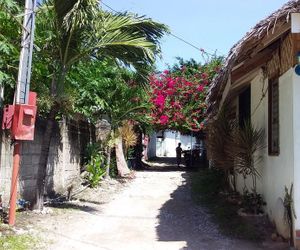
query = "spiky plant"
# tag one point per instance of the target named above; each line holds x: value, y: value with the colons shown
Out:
x: 289, y: 211
x: 128, y: 135
x: 248, y: 141
x: 219, y: 142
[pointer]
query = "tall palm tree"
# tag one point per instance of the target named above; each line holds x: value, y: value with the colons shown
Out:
x: 75, y: 30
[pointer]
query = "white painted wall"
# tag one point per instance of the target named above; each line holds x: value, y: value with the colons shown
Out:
x: 276, y: 171
x: 296, y: 131
x: 167, y: 147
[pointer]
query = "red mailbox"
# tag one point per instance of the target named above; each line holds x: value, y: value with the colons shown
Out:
x: 24, y: 122
x: 20, y: 118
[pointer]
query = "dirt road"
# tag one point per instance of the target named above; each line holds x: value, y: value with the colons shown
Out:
x: 154, y: 212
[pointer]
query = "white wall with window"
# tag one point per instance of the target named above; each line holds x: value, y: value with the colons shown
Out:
x: 274, y: 104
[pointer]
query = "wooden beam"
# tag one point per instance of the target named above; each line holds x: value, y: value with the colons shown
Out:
x: 272, y: 37
x: 268, y: 39
x: 246, y: 79
x: 252, y: 64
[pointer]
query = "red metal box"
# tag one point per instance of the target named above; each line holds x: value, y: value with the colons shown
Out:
x: 24, y: 122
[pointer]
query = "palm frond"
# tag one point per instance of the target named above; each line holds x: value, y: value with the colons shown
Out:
x: 247, y: 142
x: 132, y: 39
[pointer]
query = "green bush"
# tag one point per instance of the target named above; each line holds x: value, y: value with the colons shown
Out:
x: 91, y: 150
x: 253, y: 203
x: 95, y: 169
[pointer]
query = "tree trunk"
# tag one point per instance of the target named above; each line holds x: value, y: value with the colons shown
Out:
x: 57, y: 82
x: 139, y: 151
x: 123, y: 169
x: 108, y: 157
x: 42, y: 169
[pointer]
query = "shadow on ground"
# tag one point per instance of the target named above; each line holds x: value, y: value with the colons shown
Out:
x: 68, y: 205
x: 181, y: 219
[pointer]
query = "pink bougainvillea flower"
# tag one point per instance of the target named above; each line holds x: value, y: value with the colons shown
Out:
x: 158, y: 84
x: 171, y: 83
x: 164, y: 119
x: 170, y: 91
x: 166, y: 72
x: 177, y: 105
x: 187, y: 83
x: 156, y: 91
x: 200, y: 88
x: 160, y: 100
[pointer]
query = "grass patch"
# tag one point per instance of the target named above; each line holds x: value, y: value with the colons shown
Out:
x: 206, y: 187
x: 18, y: 242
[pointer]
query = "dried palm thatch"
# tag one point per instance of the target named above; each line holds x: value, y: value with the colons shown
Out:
x: 244, y: 48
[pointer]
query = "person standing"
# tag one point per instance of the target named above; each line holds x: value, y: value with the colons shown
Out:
x: 178, y: 154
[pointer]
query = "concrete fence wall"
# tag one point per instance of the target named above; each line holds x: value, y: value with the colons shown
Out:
x: 65, y: 159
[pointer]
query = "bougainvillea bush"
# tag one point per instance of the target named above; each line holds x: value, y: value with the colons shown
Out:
x: 178, y: 94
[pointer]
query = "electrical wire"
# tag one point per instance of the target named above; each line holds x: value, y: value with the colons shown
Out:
x: 171, y: 34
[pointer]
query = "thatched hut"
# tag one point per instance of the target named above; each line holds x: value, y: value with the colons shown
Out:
x: 259, y: 82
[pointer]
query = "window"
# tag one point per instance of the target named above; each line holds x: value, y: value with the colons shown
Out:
x: 245, y: 106
x: 273, y: 117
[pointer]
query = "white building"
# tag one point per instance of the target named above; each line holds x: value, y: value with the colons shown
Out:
x: 164, y: 143
x: 259, y: 82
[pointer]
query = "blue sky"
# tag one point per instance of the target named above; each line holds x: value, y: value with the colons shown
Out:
x: 208, y: 24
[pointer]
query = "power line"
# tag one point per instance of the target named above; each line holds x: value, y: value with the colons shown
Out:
x: 171, y: 34
x: 192, y: 45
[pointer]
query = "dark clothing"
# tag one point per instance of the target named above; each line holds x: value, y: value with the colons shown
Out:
x: 178, y: 155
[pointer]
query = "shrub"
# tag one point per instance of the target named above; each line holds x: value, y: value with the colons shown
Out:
x: 252, y: 203
x: 95, y: 169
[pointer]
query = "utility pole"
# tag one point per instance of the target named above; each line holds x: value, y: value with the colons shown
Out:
x: 22, y: 94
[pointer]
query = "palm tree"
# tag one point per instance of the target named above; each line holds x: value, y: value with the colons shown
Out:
x: 75, y: 30
x: 105, y: 90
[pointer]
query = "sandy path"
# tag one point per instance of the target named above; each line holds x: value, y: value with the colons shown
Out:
x: 155, y: 212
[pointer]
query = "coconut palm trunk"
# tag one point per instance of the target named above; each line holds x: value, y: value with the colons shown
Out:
x: 46, y: 142
x: 122, y: 166
x: 43, y: 162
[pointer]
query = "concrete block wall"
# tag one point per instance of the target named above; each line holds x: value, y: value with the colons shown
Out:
x: 68, y: 143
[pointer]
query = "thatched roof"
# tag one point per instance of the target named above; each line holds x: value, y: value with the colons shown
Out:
x: 244, y: 48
